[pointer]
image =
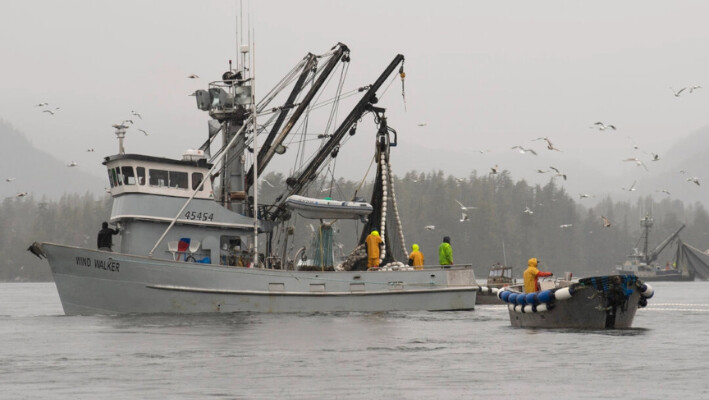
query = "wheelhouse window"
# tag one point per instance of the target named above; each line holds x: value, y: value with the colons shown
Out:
x: 111, y: 181
x: 141, y: 175
x: 158, y: 177
x: 128, y: 175
x: 117, y: 176
x: 178, y: 179
x: 196, y: 180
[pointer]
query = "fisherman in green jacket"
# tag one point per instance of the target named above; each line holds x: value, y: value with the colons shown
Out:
x: 445, y: 252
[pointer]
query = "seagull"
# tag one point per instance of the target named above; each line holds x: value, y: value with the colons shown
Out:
x: 566, y: 225
x: 464, y: 217
x: 483, y: 151
x: 665, y: 191
x: 90, y: 149
x: 412, y: 180
x: 465, y: 208
x: 683, y: 171
x: 422, y: 124
x: 583, y: 196
x: 36, y: 249
x: 146, y: 133
x: 459, y: 180
x: 48, y: 111
x: 429, y: 227
x: 677, y: 93
x: 550, y: 146
x: 528, y: 211
x: 637, y: 162
x: 9, y: 179
x: 130, y: 121
x: 192, y: 76
x: 136, y: 114
x: 493, y: 170
x: 632, y: 187
x: 22, y: 194
x: 42, y: 104
x: 522, y: 150
x: 655, y: 157
x: 602, y: 127
x: 693, y: 88
x: 693, y: 179
x: 606, y: 223
x: 558, y: 173
x: 267, y: 182
x: 72, y: 164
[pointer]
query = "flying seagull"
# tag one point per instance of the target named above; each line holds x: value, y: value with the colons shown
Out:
x: 493, y: 170
x: 602, y: 127
x: 584, y: 196
x: 528, y: 211
x: 193, y: 76
x: 677, y: 93
x: 637, y: 162
x: 566, y: 225
x: 267, y: 182
x: 539, y: 171
x: 48, y: 111
x: 72, y: 164
x: 90, y: 149
x: 146, y: 133
x: 421, y: 124
x: 631, y: 188
x: 550, y: 146
x: 693, y: 88
x: 464, y: 217
x: 558, y: 173
x: 465, y: 208
x: 693, y: 179
x: 665, y: 191
x: 655, y: 157
x: 429, y: 227
x: 136, y: 114
x: 522, y: 150
x: 42, y: 104
x: 22, y: 194
x: 606, y: 223
x: 9, y: 179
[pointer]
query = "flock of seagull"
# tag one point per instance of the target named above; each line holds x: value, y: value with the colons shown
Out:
x: 599, y: 125
x: 127, y: 123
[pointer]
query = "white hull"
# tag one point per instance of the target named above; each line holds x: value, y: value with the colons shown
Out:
x: 98, y: 282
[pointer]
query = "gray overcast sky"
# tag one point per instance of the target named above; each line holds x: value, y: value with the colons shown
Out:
x: 482, y: 75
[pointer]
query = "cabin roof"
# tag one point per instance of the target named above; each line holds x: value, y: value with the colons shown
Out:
x: 202, y: 163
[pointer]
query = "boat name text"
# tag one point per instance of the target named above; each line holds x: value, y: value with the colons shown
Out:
x: 199, y: 216
x: 107, y: 265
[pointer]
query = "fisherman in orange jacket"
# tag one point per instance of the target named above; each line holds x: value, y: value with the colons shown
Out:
x: 416, y: 257
x: 373, y: 241
x: 531, y: 274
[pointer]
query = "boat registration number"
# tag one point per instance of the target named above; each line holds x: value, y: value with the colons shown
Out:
x: 199, y: 216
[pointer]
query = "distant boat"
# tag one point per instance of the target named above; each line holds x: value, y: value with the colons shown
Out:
x: 643, y: 263
x: 600, y: 302
x: 499, y: 277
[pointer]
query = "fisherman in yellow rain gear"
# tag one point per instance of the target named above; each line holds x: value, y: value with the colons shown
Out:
x: 531, y: 274
x: 373, y: 241
x: 416, y: 257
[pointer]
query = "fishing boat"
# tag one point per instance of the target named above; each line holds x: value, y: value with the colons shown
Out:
x: 193, y: 237
x: 500, y: 276
x: 601, y: 302
x: 643, y: 263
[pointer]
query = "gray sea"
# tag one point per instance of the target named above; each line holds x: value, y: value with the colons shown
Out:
x: 410, y: 355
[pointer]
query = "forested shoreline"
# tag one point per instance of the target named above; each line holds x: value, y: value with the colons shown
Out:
x: 558, y: 228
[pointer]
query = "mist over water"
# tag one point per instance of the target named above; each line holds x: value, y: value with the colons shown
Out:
x: 474, y: 354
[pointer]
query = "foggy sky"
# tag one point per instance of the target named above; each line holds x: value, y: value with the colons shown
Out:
x: 481, y: 75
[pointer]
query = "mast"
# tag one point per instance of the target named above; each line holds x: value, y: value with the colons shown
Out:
x: 341, y: 53
x: 332, y: 145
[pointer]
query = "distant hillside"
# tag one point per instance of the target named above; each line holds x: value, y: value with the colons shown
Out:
x: 36, y: 172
